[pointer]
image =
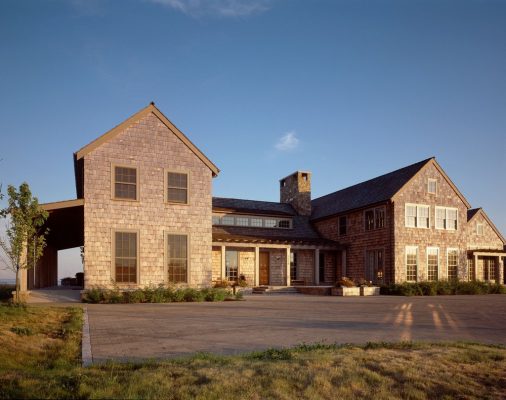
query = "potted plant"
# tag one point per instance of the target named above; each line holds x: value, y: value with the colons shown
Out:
x: 368, y: 289
x: 345, y: 287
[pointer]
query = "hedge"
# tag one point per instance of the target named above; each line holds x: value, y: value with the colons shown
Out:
x: 442, y: 288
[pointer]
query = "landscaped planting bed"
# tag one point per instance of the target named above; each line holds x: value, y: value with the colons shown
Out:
x: 159, y: 295
x: 442, y: 288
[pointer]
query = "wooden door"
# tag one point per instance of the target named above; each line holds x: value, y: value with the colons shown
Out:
x: 264, y: 268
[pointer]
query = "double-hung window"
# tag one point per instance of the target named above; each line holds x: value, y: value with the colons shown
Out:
x: 177, y: 258
x: 125, y: 183
x: 417, y: 216
x: 432, y: 186
x: 177, y: 187
x: 293, y: 265
x: 432, y: 263
x: 125, y: 257
x: 374, y: 218
x: 452, y: 264
x: 411, y: 263
x: 446, y: 218
x: 343, y: 225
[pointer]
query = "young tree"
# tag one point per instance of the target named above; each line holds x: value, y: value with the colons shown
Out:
x: 25, y: 240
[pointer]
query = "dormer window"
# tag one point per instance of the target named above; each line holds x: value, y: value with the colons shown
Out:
x: 252, y: 221
x: 432, y: 186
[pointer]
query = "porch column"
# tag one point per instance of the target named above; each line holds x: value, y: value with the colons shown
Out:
x: 257, y: 266
x: 343, y: 264
x: 499, y: 270
x: 223, y: 270
x: 475, y: 266
x: 317, y: 267
x: 288, y: 269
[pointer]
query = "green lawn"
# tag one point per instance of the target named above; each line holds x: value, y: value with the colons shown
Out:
x: 40, y: 358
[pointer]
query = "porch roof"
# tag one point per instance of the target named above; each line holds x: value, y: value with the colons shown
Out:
x: 65, y: 223
x: 487, y: 252
x: 254, y: 239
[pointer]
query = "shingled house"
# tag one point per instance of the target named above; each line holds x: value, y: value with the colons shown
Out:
x: 146, y: 216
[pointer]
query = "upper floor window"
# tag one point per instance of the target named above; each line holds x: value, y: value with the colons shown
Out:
x: 177, y: 187
x: 252, y: 221
x: 417, y: 216
x: 479, y: 229
x: 432, y: 186
x: 343, y: 225
x: 125, y: 183
x: 446, y: 218
x: 375, y: 218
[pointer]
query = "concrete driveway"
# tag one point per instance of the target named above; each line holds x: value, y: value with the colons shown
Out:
x: 140, y: 331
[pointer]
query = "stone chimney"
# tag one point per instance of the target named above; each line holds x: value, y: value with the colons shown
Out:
x: 296, y: 190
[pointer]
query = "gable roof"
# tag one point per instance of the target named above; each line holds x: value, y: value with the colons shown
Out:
x: 252, y: 206
x: 373, y: 191
x: 475, y: 211
x: 150, y: 109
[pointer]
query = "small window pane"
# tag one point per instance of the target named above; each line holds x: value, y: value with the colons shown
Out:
x: 242, y: 221
x: 452, y: 265
x: 380, y: 218
x: 270, y: 223
x: 284, y: 223
x: 227, y: 220
x: 432, y: 264
x: 256, y: 222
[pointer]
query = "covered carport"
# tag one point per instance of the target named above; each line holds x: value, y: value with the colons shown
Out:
x: 66, y: 231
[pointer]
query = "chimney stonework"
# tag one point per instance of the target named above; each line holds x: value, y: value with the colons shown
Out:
x: 296, y: 190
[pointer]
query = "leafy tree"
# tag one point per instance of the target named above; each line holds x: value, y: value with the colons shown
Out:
x: 25, y: 240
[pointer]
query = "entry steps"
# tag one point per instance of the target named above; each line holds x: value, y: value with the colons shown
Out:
x: 274, y: 290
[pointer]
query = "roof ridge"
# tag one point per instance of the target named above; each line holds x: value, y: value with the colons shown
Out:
x: 423, y: 162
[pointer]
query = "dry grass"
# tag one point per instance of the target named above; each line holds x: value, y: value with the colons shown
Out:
x: 46, y: 364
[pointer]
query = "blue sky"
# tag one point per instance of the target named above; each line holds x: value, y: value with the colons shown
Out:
x: 347, y: 89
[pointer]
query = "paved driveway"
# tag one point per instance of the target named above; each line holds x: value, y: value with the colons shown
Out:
x: 140, y: 331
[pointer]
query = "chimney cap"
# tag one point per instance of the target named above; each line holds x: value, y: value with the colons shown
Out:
x: 295, y: 173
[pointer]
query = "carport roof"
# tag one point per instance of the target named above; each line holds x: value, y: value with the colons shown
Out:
x: 65, y: 223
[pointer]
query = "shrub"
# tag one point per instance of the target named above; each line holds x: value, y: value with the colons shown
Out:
x: 135, y: 296
x: 113, y: 296
x: 193, y: 295
x: 346, y: 282
x: 221, y: 283
x: 93, y: 296
x: 215, y: 294
x: 442, y: 288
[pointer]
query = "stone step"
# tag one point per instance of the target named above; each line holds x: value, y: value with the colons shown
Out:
x: 274, y: 290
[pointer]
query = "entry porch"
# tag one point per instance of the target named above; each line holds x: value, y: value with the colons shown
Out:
x: 487, y: 265
x: 263, y: 263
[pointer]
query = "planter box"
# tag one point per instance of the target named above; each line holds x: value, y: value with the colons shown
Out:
x: 369, y: 291
x: 346, y: 291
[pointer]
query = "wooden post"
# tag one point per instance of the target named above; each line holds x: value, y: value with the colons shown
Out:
x: 223, y: 269
x: 288, y: 267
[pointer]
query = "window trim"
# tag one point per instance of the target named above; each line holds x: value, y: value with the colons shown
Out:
x: 429, y: 180
x: 137, y: 182
x: 479, y: 224
x: 448, y: 250
x: 445, y: 228
x: 166, y: 234
x: 438, y: 262
x: 417, y: 261
x: 166, y: 172
x: 417, y: 206
x: 113, y: 256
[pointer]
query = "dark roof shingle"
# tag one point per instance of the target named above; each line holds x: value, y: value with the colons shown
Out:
x: 370, y: 192
x: 472, y: 212
x: 252, y: 206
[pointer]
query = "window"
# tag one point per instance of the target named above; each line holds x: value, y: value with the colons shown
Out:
x: 270, y: 223
x: 177, y: 187
x: 343, y: 225
x: 374, y: 265
x: 417, y: 216
x: 369, y: 220
x: 452, y: 263
x: 216, y: 220
x: 226, y: 220
x: 479, y: 229
x: 177, y: 258
x: 293, y: 265
x: 411, y: 264
x: 232, y: 265
x: 432, y: 263
x: 242, y: 221
x: 284, y: 223
x: 125, y: 257
x: 489, y: 268
x: 471, y: 272
x: 125, y: 183
x: 432, y: 186
x: 256, y: 222
x: 446, y: 218
x: 375, y: 218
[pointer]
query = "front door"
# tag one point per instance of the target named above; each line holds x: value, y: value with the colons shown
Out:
x: 264, y: 268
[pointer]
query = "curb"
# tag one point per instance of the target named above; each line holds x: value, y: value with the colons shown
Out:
x: 87, y: 356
